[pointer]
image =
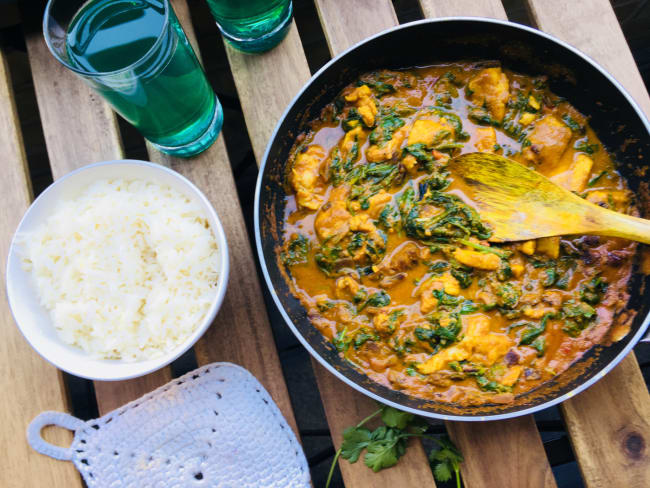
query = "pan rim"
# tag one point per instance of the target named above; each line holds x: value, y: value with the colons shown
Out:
x: 263, y: 265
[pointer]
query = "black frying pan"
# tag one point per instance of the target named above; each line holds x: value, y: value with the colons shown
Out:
x: 616, y: 118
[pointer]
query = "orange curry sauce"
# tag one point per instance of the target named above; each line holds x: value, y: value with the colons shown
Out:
x: 396, y: 270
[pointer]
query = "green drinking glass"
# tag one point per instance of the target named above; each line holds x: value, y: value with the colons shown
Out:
x: 252, y: 26
x: 136, y: 55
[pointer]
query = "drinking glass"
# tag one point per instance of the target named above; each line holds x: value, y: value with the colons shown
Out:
x: 252, y: 26
x: 136, y: 55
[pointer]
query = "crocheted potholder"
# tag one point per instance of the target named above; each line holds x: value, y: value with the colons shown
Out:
x: 215, y: 426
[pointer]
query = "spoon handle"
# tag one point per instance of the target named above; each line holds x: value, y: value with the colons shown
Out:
x: 614, y: 224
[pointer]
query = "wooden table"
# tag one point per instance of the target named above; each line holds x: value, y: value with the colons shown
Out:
x: 609, y: 424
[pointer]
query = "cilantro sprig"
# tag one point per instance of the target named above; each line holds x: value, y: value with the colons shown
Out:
x: 386, y: 444
x: 445, y: 461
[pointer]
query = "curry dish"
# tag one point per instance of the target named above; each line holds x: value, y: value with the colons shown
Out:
x: 394, y: 266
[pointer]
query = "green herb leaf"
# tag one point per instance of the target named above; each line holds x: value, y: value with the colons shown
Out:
x: 445, y: 460
x: 456, y: 221
x: 395, y: 418
x: 531, y: 333
x: 486, y: 384
x: 593, y: 291
x: 508, y: 295
x: 296, y: 251
x: 468, y: 306
x: 462, y: 273
x: 442, y: 472
x: 387, y: 124
x: 379, y: 87
x: 551, y: 277
x: 378, y: 299
x: 572, y: 123
x: 388, y: 443
x: 364, y: 336
x: 539, y: 345
x: 584, y: 146
x: 341, y: 341
x: 355, y: 440
x: 352, y: 120
x: 387, y: 446
x: 595, y: 179
x: 445, y: 298
x: 578, y: 316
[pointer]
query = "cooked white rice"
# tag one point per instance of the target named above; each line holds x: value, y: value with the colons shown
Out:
x: 127, y: 269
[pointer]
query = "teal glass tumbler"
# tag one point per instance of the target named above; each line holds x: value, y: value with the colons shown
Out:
x: 135, y: 54
x: 252, y: 26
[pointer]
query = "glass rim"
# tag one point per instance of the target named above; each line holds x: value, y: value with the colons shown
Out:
x: 96, y: 74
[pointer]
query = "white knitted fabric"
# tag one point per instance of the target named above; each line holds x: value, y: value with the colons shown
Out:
x: 214, y: 427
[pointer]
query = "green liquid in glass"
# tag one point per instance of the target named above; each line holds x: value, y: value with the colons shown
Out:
x: 147, y: 71
x: 252, y: 25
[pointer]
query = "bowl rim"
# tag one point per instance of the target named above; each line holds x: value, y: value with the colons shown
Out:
x: 161, y: 361
x: 276, y: 299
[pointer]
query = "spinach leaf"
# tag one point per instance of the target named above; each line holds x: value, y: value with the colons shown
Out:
x: 405, y: 202
x: 468, y: 306
x: 481, y: 116
x: 378, y: 299
x: 438, y: 181
x: 508, y: 296
x: 593, y: 291
x: 577, y: 316
x: 551, y: 277
x: 363, y: 336
x: 440, y: 334
x: 385, y: 128
x: 457, y: 220
x: 352, y: 120
x: 438, y: 266
x: 444, y: 298
x: 531, y: 333
x: 584, y: 146
x: 463, y: 274
x: 539, y: 345
x: 423, y: 156
x: 487, y: 385
x: 327, y: 258
x: 572, y: 123
x: 389, y: 218
x: 379, y: 87
x: 296, y: 250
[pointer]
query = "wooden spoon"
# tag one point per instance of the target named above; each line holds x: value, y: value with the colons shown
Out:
x: 521, y: 204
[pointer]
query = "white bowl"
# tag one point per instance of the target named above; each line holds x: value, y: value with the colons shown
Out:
x: 33, y: 319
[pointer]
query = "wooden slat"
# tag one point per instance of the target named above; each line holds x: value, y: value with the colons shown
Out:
x: 79, y: 128
x: 483, y: 450
x: 503, y: 453
x: 609, y: 423
x: 343, y: 405
x: 475, y: 8
x: 593, y: 28
x: 266, y: 84
x: 241, y: 333
x: 29, y: 384
x: 345, y: 27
